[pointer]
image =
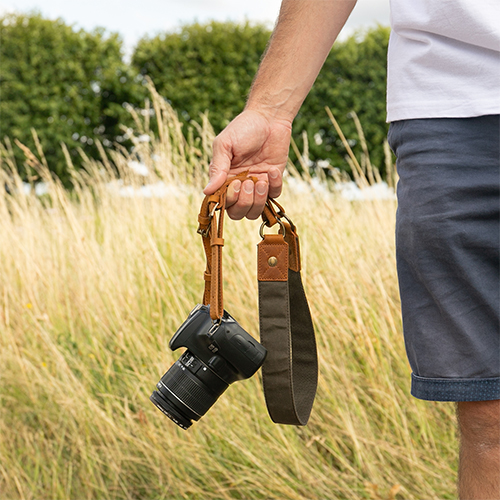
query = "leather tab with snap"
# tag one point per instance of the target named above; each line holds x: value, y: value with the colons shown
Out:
x: 272, y: 258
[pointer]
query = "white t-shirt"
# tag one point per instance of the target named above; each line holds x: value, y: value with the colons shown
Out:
x: 444, y: 59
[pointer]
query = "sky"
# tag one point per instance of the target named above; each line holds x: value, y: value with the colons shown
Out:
x: 134, y: 19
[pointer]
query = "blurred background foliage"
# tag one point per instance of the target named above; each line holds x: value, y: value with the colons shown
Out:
x: 68, y: 85
x: 204, y: 67
x: 74, y: 86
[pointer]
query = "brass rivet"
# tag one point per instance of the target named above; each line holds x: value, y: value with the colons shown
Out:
x: 272, y: 261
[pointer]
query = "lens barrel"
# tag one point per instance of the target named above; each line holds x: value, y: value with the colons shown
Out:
x: 187, y: 390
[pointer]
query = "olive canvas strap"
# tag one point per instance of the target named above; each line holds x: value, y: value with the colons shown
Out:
x: 290, y: 372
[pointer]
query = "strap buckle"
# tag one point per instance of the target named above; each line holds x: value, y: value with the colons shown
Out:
x: 204, y: 232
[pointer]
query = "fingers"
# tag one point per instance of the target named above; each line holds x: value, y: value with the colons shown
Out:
x: 275, y: 182
x: 233, y: 192
x: 248, y: 199
x: 259, y: 200
x: 250, y: 202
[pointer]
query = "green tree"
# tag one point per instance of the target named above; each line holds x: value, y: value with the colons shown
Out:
x: 204, y: 67
x: 68, y: 85
x: 71, y: 85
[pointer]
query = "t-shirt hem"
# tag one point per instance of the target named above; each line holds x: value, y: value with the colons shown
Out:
x: 412, y: 111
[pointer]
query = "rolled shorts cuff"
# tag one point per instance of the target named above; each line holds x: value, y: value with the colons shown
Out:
x: 455, y: 389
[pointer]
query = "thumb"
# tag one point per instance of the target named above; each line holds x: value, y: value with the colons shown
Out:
x: 218, y: 169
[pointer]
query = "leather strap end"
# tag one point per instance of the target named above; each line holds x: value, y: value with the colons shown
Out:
x: 269, y: 216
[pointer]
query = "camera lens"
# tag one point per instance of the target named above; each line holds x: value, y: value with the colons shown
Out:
x: 187, y: 390
x: 169, y: 410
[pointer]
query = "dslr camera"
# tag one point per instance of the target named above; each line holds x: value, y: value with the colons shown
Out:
x: 217, y: 354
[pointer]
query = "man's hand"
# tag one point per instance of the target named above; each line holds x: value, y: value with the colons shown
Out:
x: 255, y: 142
x: 259, y: 138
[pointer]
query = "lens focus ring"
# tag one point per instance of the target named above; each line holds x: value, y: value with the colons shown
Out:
x: 185, y: 386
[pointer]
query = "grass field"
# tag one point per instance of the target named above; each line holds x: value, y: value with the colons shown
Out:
x: 92, y: 287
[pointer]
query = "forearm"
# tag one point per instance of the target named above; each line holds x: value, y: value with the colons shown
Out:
x: 301, y: 41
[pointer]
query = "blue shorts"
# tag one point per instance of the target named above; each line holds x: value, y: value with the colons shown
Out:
x: 447, y: 251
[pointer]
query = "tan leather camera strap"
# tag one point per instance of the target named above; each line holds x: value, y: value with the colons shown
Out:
x: 290, y: 371
x: 211, y: 228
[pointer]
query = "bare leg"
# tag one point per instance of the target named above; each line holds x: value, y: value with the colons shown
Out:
x: 479, y: 467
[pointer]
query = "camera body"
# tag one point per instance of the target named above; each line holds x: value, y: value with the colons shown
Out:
x: 217, y: 354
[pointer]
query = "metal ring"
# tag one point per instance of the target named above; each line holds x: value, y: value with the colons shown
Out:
x: 283, y: 214
x: 215, y: 324
x: 216, y: 206
x: 261, y: 230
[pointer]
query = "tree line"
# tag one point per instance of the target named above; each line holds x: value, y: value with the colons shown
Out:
x: 73, y: 86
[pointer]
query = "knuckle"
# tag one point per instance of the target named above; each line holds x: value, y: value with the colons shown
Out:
x: 213, y: 169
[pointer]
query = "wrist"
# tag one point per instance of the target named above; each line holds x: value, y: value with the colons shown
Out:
x: 272, y: 109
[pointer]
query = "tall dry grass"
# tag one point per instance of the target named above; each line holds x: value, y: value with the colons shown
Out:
x: 92, y: 287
